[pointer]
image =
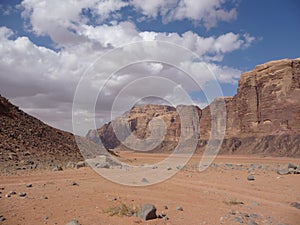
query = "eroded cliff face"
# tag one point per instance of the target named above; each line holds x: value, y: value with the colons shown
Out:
x: 263, y: 117
x: 268, y: 99
x: 149, y: 123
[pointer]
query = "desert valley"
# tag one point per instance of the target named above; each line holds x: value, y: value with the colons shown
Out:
x: 151, y: 112
x: 253, y: 180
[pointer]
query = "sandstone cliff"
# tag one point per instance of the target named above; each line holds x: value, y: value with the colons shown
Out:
x: 263, y: 117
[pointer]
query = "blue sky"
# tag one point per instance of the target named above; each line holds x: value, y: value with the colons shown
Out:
x: 47, y: 45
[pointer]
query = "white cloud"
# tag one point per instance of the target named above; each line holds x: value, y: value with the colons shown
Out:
x: 43, y: 81
x: 207, y: 12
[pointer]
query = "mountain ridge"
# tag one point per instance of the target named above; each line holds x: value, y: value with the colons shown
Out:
x: 262, y: 118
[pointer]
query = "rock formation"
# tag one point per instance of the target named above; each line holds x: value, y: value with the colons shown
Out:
x: 263, y: 117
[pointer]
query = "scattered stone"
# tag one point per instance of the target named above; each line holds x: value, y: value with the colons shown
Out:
x: 57, y: 168
x: 166, y: 218
x: 296, y: 205
x: 7, y: 196
x: 44, y: 197
x: 70, y: 165
x: 283, y: 171
x: 255, y: 216
x: 73, y: 222
x: 2, y: 218
x: 251, y: 222
x: 147, y: 212
x: 169, y: 168
x: 292, y: 166
x: 74, y: 183
x: 238, y: 219
x: 144, y: 180
x: 46, y: 218
x: 179, y: 208
x: 80, y: 164
x: 22, y: 194
x: 180, y: 167
x: 29, y: 185
x: 250, y: 178
x: 165, y: 207
x: 162, y: 215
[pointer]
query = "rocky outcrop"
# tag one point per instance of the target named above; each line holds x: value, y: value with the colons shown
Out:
x: 26, y: 142
x: 262, y: 118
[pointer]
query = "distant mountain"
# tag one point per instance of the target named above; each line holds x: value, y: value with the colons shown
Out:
x: 262, y: 118
x: 26, y: 142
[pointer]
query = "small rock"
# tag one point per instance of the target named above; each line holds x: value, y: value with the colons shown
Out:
x: 250, y: 178
x: 29, y: 185
x: 165, y: 207
x: 296, y: 205
x: 169, y: 168
x: 12, y: 193
x: 44, y: 197
x: 283, y: 171
x: 57, y: 168
x: 2, y: 218
x: 180, y: 167
x: 144, y: 180
x: 251, y: 222
x: 73, y: 222
x: 147, y: 212
x: 80, y: 164
x: 292, y: 166
x: 70, y: 165
x: 74, y: 183
x: 7, y: 196
x: 255, y: 216
x: 162, y: 215
x: 166, y: 218
x: 22, y: 194
x: 179, y: 208
x: 238, y: 220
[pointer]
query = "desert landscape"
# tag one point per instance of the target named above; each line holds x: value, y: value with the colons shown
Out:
x: 175, y: 112
x: 253, y: 182
x: 220, y: 195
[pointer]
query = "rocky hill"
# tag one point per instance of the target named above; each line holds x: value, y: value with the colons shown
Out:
x: 26, y: 142
x: 262, y: 118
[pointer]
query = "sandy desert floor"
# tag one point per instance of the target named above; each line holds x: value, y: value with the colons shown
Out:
x: 220, y: 195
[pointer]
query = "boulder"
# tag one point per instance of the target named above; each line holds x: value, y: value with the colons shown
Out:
x: 283, y: 171
x: 147, y: 212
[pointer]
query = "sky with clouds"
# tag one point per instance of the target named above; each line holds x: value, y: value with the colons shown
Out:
x: 47, y: 46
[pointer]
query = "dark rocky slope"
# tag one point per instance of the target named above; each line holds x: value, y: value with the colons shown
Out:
x: 26, y: 142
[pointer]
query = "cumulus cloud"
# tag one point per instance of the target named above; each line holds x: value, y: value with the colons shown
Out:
x: 43, y: 81
x: 207, y: 12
